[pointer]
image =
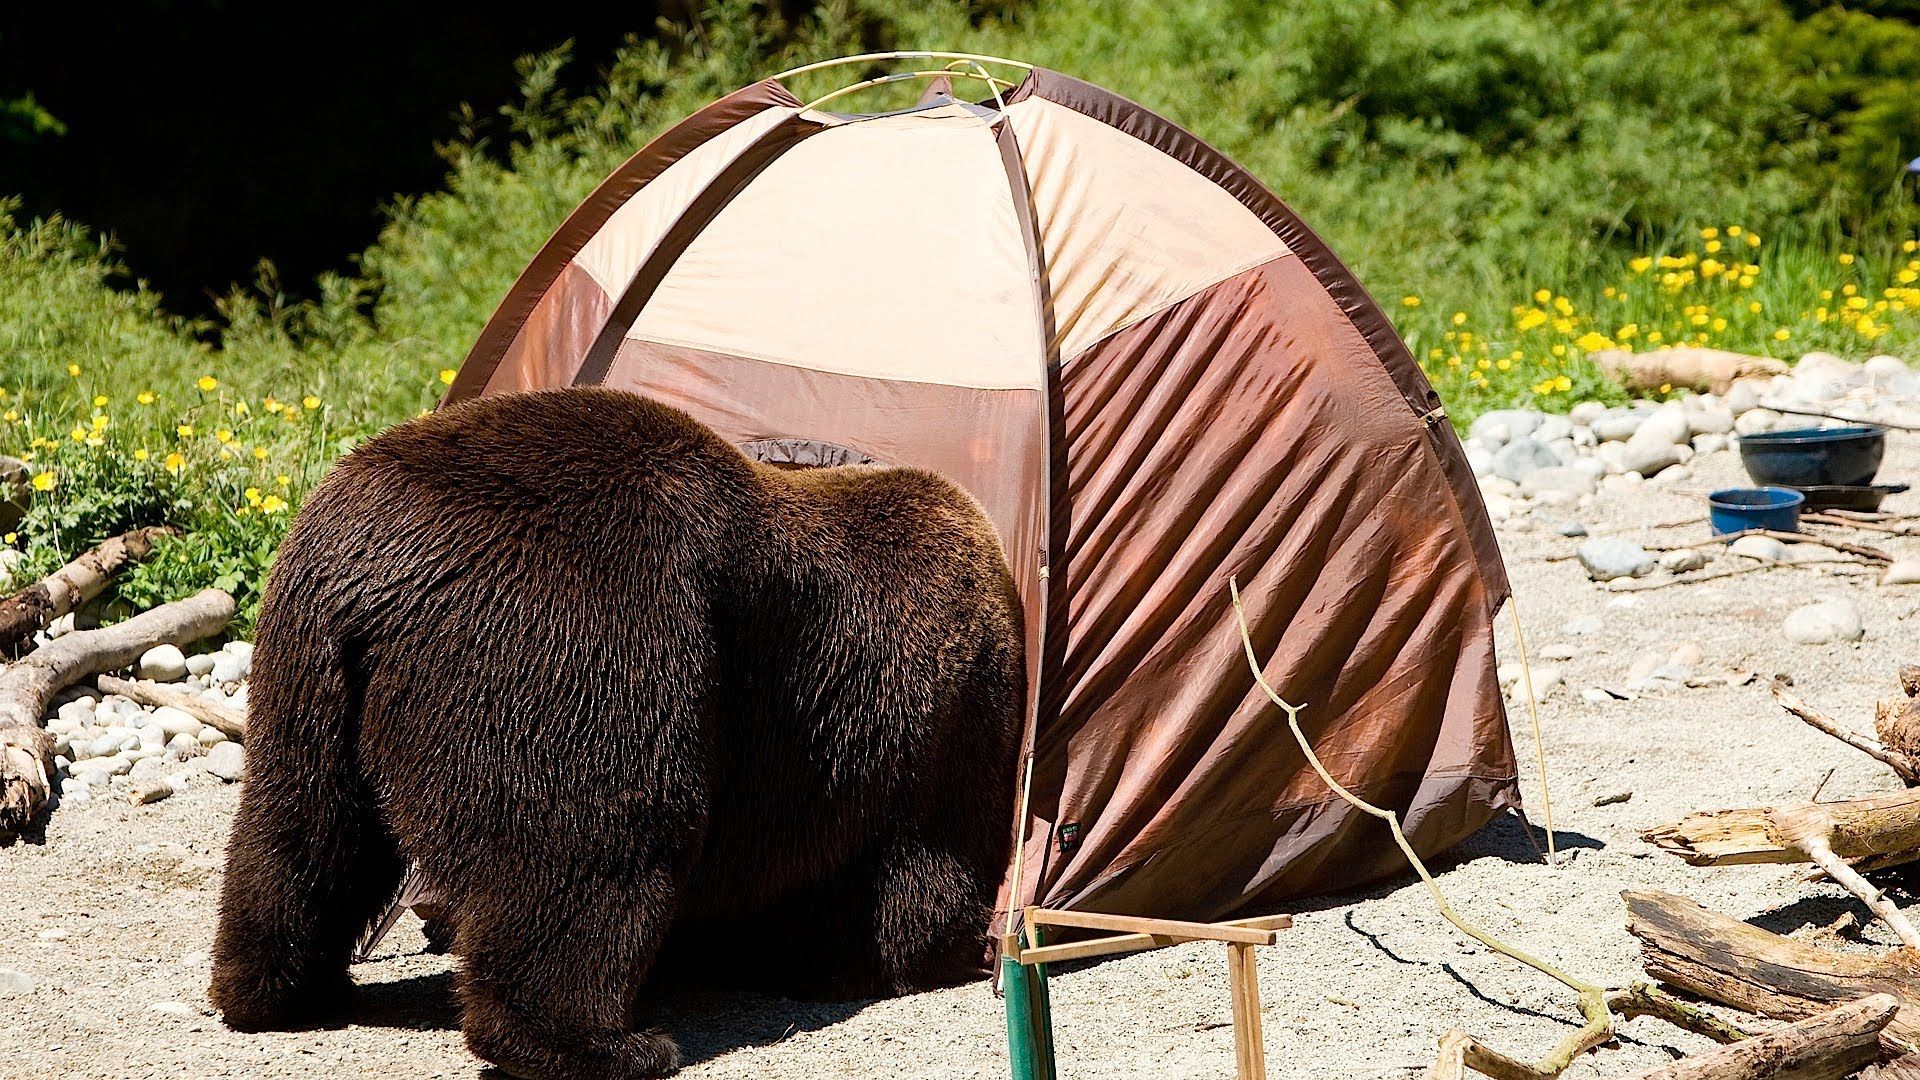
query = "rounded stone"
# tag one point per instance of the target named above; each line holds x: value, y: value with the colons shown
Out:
x: 1824, y: 623
x: 228, y: 761
x: 162, y: 663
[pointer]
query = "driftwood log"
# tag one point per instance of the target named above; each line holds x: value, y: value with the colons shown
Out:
x: 1826, y: 1046
x: 27, y: 685
x: 229, y: 722
x: 1685, y: 946
x: 31, y: 609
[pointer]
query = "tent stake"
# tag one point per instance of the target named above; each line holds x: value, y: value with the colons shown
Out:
x: 1533, y: 714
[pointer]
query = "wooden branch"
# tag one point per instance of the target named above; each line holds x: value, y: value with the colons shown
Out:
x: 1827, y: 1046
x: 1907, y: 768
x: 31, y: 609
x: 1854, y: 830
x: 1107, y: 946
x: 1190, y: 931
x: 1731, y: 962
x: 229, y: 722
x: 26, y: 752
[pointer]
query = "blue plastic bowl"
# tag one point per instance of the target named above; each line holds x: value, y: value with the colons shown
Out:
x: 1733, y: 510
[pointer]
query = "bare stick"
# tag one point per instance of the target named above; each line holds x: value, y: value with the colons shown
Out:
x: 1871, y: 895
x: 34, y: 607
x: 1593, y: 1004
x: 1906, y: 767
x: 26, y: 752
x: 229, y: 722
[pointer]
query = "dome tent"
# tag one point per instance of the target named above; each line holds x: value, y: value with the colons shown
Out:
x: 1152, y: 376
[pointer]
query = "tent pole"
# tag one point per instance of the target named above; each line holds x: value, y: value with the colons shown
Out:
x: 1533, y: 713
x: 901, y: 55
x: 1029, y: 1014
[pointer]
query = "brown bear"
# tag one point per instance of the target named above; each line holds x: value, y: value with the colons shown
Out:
x: 606, y: 680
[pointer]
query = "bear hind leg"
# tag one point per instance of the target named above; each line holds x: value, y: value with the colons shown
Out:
x: 551, y: 970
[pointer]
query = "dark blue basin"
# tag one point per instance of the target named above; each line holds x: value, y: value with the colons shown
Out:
x: 1808, y: 457
x: 1735, y: 510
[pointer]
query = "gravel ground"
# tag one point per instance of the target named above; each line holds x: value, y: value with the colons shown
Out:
x: 113, y: 914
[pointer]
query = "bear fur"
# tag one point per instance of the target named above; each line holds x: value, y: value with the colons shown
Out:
x: 608, y: 681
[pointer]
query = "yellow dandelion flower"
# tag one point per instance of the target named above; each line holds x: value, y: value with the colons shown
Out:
x: 272, y: 504
x: 43, y: 481
x: 1627, y: 332
x: 1753, y: 307
x: 1562, y: 383
x: 260, y: 453
x: 1846, y: 258
x: 1710, y: 267
x: 253, y: 496
x: 73, y: 370
x: 10, y: 537
x: 283, y: 480
x: 1563, y: 305
x: 1782, y: 334
x: 1504, y: 364
x: 185, y: 431
x: 99, y: 400
x: 1640, y: 265
x: 1655, y: 337
x: 1459, y: 318
x: 1719, y: 324
x: 79, y: 434
x: 144, y: 397
x: 310, y: 402
x: 447, y: 374
x: 1753, y: 240
x: 11, y: 416
x: 1907, y: 275
x: 207, y: 383
x: 1408, y: 300
x: 141, y: 454
x: 1593, y: 341
x: 272, y: 406
x: 240, y: 408
x: 1711, y: 246
x: 1558, y: 350
x: 1734, y: 230
x: 1541, y: 296
x: 1849, y: 289
x: 1666, y: 388
x: 1910, y: 245
x: 225, y: 435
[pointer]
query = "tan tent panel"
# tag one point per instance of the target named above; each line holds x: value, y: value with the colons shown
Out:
x: 1153, y: 377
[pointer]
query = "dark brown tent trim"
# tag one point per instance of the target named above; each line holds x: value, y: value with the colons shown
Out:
x: 685, y: 230
x: 586, y: 220
x: 1366, y: 315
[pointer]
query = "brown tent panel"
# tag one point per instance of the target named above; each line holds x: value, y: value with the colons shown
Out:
x: 1153, y: 377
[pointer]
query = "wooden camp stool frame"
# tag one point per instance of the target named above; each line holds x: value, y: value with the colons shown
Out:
x: 1023, y: 969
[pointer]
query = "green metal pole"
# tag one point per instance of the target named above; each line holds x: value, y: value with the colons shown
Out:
x: 1029, y: 1016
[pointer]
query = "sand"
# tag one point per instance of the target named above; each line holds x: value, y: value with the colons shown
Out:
x: 114, y: 912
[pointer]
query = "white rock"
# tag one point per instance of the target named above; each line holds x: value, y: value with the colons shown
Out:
x: 1647, y: 453
x: 1552, y: 429
x: 1883, y: 367
x: 1499, y: 426
x: 80, y: 711
x: 1546, y: 679
x: 227, y: 669
x: 174, y: 721
x: 241, y: 649
x: 1714, y: 421
x: 1668, y: 424
x: 1585, y: 413
x: 1902, y: 572
x: 16, y: 983
x: 1687, y: 653
x: 1508, y: 673
x: 1710, y: 444
x: 1765, y: 548
x: 1755, y: 421
x: 1499, y: 507
x: 199, y: 663
x: 1593, y: 695
x: 163, y: 663
x: 1561, y: 651
x: 151, y: 736
x: 63, y: 625
x: 103, y: 745
x: 212, y: 736
x: 1672, y: 474
x: 228, y: 761
x: 1592, y: 466
x: 172, y: 1008
x: 56, y: 933
x: 1825, y: 622
x: 1609, y: 558
x: 1617, y: 425
x: 1520, y: 457
x: 183, y: 746
x: 11, y: 560
x: 1742, y: 398
x: 1622, y: 483
x: 1682, y: 560
x: 1480, y: 459
x: 1585, y: 624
